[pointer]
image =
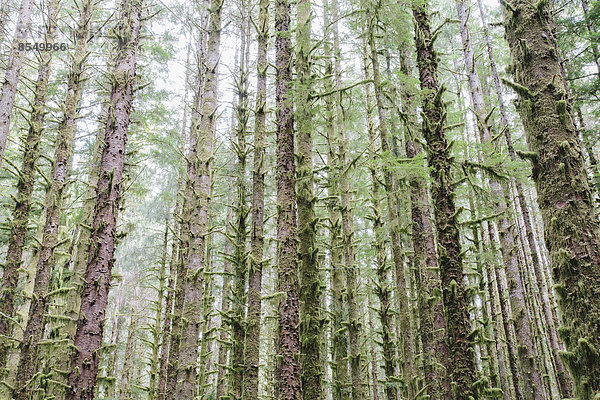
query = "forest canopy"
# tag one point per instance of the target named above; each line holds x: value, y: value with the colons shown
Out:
x: 316, y: 200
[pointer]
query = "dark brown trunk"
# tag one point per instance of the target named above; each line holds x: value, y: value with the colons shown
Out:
x: 458, y: 327
x: 287, y: 373
x: 88, y: 339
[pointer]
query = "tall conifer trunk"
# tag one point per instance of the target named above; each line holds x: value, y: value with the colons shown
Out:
x: 406, y: 339
x: 9, y: 86
x: 534, y: 388
x: 35, y: 321
x: 571, y: 230
x: 252, y: 349
x: 339, y: 342
x: 458, y: 327
x: 310, y: 285
x: 200, y: 156
x: 287, y: 372
x: 25, y: 184
x: 88, y: 339
x: 564, y: 380
x: 7, y: 98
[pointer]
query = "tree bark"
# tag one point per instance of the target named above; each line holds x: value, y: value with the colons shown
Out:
x: 381, y: 287
x: 11, y: 80
x: 88, y: 339
x: 252, y: 348
x: 527, y: 354
x: 21, y: 212
x: 339, y: 342
x: 128, y: 357
x: 240, y: 257
x: 310, y: 285
x: 571, y: 229
x: 564, y: 380
x: 7, y: 98
x: 458, y: 327
x: 157, y: 332
x: 166, y: 329
x: 35, y: 324
x: 287, y: 373
x: 201, y: 157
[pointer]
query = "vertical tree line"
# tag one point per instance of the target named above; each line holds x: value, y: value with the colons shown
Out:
x: 299, y: 200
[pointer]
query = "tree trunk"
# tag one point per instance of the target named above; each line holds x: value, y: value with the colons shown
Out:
x: 10, y: 274
x: 533, y: 384
x: 571, y: 229
x: 9, y: 89
x: 156, y: 330
x: 354, y: 325
x: 339, y: 341
x: 252, y: 349
x: 430, y: 304
x: 184, y: 228
x: 287, y: 373
x: 310, y: 285
x: 240, y: 258
x: 21, y: 212
x: 127, y: 359
x: 201, y: 157
x: 449, y: 250
x: 111, y: 369
x: 166, y: 329
x: 406, y: 339
x: 88, y: 339
x: 35, y: 320
x: 564, y: 380
x: 381, y: 288
x: 225, y: 300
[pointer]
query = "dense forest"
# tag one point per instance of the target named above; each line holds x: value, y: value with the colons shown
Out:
x: 316, y: 200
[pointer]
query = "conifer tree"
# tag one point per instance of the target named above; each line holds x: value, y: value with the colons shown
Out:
x: 88, y: 338
x: 570, y: 228
x: 458, y: 327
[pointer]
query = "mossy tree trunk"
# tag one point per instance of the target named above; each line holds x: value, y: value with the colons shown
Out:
x: 9, y: 90
x: 155, y: 329
x: 224, y: 343
x: 436, y: 363
x: 88, y: 338
x: 168, y: 314
x: 240, y: 257
x: 564, y: 381
x: 571, y: 229
x: 382, y: 287
x: 527, y: 354
x: 126, y: 371
x: 26, y: 176
x: 10, y: 273
x: 253, y: 324
x: 458, y: 327
x: 406, y: 339
x: 310, y: 284
x: 200, y: 157
x: 287, y: 373
x: 339, y: 341
x: 354, y: 325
